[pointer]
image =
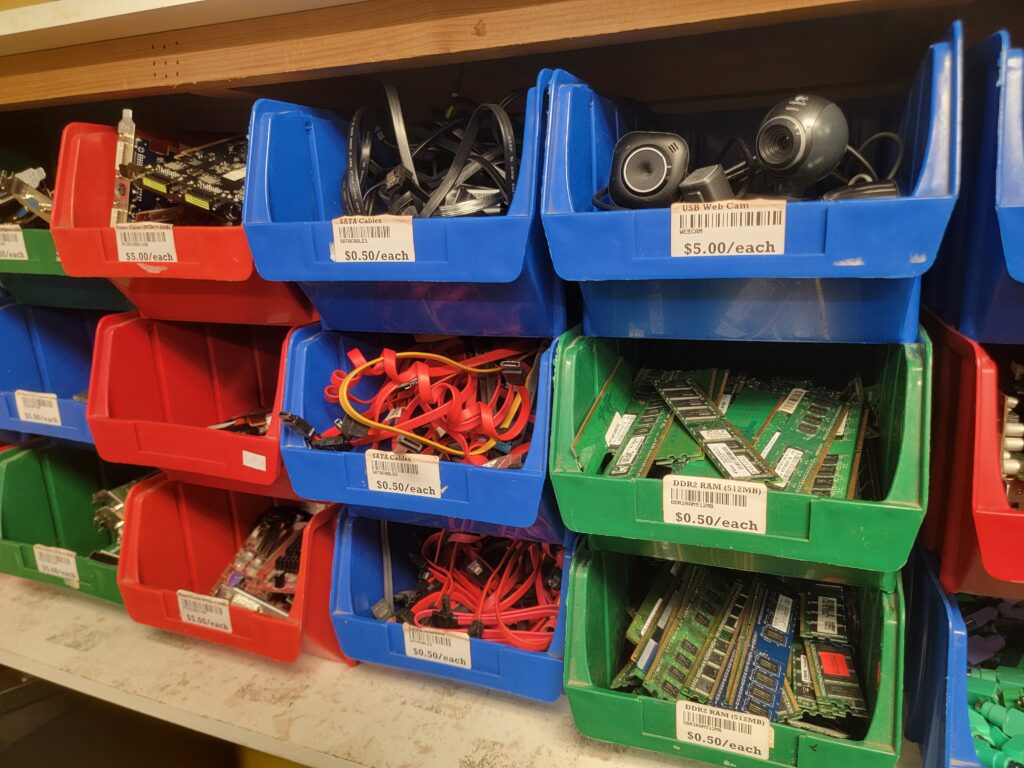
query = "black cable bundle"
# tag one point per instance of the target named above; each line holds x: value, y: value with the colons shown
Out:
x: 462, y: 163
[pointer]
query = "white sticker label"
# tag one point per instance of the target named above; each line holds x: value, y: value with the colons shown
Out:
x: 841, y: 429
x: 204, y: 610
x: 771, y: 443
x: 723, y: 729
x: 629, y: 453
x: 828, y: 616
x: 792, y: 400
x: 236, y: 175
x: 451, y: 648
x: 54, y: 561
x: 715, y: 435
x: 729, y: 505
x: 406, y: 473
x: 242, y: 600
x: 723, y: 403
x: 254, y: 461
x: 145, y: 243
x: 729, y: 228
x: 372, y: 239
x: 12, y: 243
x: 783, y: 610
x: 40, y: 407
x: 788, y: 463
x: 734, y: 465
x: 805, y: 673
x: 619, y: 428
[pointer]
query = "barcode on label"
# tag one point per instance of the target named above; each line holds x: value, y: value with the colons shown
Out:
x: 805, y: 673
x: 451, y: 648
x: 146, y: 243
x: 695, y: 496
x: 407, y: 473
x: 739, y: 732
x: 136, y: 237
x: 12, y: 243
x: 37, y: 407
x: 788, y: 463
x: 828, y: 613
x: 716, y: 723
x: 204, y: 610
x: 735, y: 465
x: 55, y: 561
x: 372, y: 240
x: 728, y: 228
x: 360, y: 233
x: 720, y: 219
x: 393, y: 468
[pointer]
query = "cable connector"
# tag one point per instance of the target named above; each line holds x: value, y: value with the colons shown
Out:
x: 351, y: 428
x: 413, y: 446
x: 476, y: 629
x: 298, y: 424
x: 513, y: 372
x: 444, y: 619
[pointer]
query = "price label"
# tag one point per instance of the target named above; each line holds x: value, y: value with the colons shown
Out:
x: 146, y: 243
x: 724, y: 729
x: 40, y: 407
x: 405, y: 473
x: 729, y: 228
x: 373, y: 239
x: 12, y: 243
x: 54, y: 561
x: 728, y: 505
x: 451, y: 648
x: 204, y: 610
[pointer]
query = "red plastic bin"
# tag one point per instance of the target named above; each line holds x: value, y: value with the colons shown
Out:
x: 970, y: 522
x: 213, y: 279
x: 181, y: 537
x: 157, y: 386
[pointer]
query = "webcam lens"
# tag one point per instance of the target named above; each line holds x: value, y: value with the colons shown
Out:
x: 645, y: 170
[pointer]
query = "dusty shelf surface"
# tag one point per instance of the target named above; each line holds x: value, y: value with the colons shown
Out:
x: 315, y: 712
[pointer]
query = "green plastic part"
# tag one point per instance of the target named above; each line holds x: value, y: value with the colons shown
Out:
x: 40, y: 280
x: 1010, y: 721
x: 980, y: 689
x: 993, y: 758
x: 808, y: 530
x: 46, y: 498
x: 597, y: 621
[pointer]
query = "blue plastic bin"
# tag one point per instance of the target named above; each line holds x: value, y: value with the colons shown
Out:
x: 851, y: 270
x: 358, y: 583
x: 978, y: 281
x: 472, y: 276
x: 936, y: 669
x: 47, y: 352
x: 502, y: 497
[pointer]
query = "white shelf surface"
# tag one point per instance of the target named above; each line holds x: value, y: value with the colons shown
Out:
x: 315, y: 712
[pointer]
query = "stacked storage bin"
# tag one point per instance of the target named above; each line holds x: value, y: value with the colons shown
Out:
x: 47, y: 481
x: 204, y: 347
x: 851, y: 272
x: 974, y: 522
x: 473, y: 276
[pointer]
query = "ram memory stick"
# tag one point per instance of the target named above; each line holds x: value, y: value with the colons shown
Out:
x: 796, y: 435
x: 711, y: 672
x: 834, y: 675
x: 800, y: 680
x: 685, y: 636
x: 651, y: 419
x: 732, y: 383
x: 723, y: 444
x: 837, y: 470
x: 767, y: 654
x: 744, y: 641
x: 661, y: 590
x: 823, y: 613
x: 648, y: 648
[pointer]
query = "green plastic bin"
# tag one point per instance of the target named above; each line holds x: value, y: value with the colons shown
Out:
x: 46, y: 498
x: 808, y: 531
x: 41, y: 281
x: 597, y: 622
